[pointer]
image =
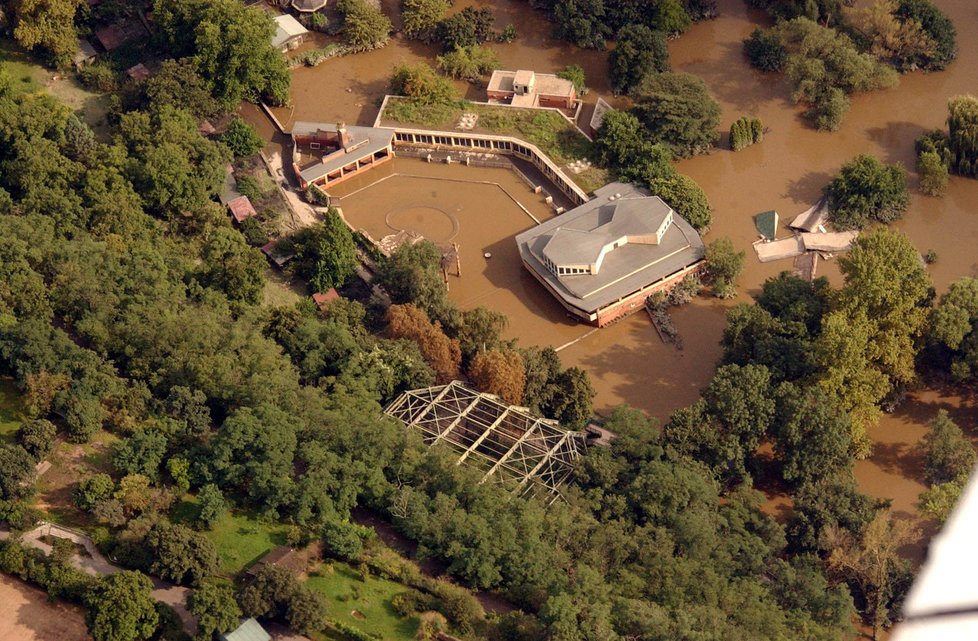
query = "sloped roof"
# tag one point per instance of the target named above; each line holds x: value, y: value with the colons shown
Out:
x: 308, y: 6
x: 364, y: 141
x: 286, y: 28
x: 249, y: 630
x: 241, y: 208
x: 766, y: 223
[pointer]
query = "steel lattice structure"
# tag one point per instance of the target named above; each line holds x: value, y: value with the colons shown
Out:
x: 514, y: 447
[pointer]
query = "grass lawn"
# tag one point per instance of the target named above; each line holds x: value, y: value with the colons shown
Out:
x: 551, y: 133
x: 30, y: 76
x: 11, y: 411
x: 279, y: 292
x: 363, y: 604
x: 240, y: 538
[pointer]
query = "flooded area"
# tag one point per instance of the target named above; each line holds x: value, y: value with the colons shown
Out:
x: 787, y: 171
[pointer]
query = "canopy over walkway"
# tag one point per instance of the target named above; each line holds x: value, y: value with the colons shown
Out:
x: 513, y: 447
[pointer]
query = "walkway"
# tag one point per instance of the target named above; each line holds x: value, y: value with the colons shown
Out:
x: 95, y: 564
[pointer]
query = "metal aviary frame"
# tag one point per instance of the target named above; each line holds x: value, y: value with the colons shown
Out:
x: 533, y: 455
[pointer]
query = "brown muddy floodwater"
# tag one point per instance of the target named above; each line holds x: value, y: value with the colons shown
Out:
x: 786, y: 172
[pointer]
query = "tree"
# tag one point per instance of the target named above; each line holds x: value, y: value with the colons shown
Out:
x: 480, y: 329
x: 962, y: 124
x: 326, y: 255
x: 670, y: 16
x: 572, y: 399
x: 230, y: 45
x: 93, y: 490
x: 37, y: 437
x: 214, y: 606
x: 141, y: 453
x: 623, y: 144
x: 954, y: 328
x: 233, y: 267
x: 16, y: 473
x: 120, y: 608
x: 422, y: 85
x: 865, y: 190
x: 48, y: 26
x: 500, y: 373
x: 873, y: 562
x: 575, y: 73
x: 212, y: 505
x: 933, y: 173
x: 133, y: 493
x: 830, y: 502
x: 241, y: 138
x: 275, y: 593
x: 686, y: 197
x: 765, y: 51
x: 678, y: 111
x: 812, y: 435
x: 181, y: 554
x: 899, y: 42
x: 364, y: 26
x: 948, y: 455
x: 306, y: 611
x: 468, y: 27
x: 412, y: 274
x: 723, y: 266
x: 638, y: 52
x: 938, y: 27
x: 421, y: 17
x: 468, y: 63
x: 179, y: 84
x: 443, y: 354
x: 581, y: 22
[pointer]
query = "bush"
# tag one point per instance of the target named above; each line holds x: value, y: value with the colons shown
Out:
x: 92, y: 491
x: 765, y: 50
x: 686, y: 197
x: 468, y: 63
x: 37, y: 437
x: 723, y: 265
x: 828, y: 109
x: 241, y: 138
x: 933, y: 173
x: 253, y: 233
x: 866, y: 190
x: 99, y: 76
x: 249, y: 187
x: 364, y: 26
x: 574, y: 73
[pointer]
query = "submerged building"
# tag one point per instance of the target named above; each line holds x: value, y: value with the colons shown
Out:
x: 326, y: 154
x: 530, y: 89
x: 601, y: 260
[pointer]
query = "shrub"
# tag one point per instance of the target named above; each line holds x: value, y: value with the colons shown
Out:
x: 99, y: 76
x: 865, y: 190
x: 241, y: 138
x: 765, y: 50
x: 933, y: 173
x: 468, y: 63
x: 37, y: 437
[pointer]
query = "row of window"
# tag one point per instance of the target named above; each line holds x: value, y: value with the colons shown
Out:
x: 572, y: 271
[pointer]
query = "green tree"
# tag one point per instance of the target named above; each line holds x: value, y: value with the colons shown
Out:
x: 241, y: 138
x: 962, y: 123
x: 575, y: 73
x: 948, y: 455
x: 325, y: 254
x: 866, y: 190
x: 812, y: 435
x: 16, y: 472
x: 212, y: 505
x: 141, y: 453
x: 638, y: 52
x: 933, y: 173
x: 364, y: 26
x: 412, y: 274
x: 47, y: 26
x: 723, y: 266
x: 37, y: 437
x: 233, y: 267
x: 581, y: 22
x: 306, y: 611
x: 468, y: 63
x: 230, y: 45
x: 670, y: 16
x: 765, y: 51
x: 938, y: 27
x: 93, y: 490
x: 215, y: 607
x: 421, y: 17
x: 422, y: 85
x: 678, y: 111
x: 180, y: 554
x: 954, y: 328
x: 120, y: 608
x: 686, y: 197
x: 178, y: 83
x: 623, y: 144
x: 468, y: 27
x: 573, y: 397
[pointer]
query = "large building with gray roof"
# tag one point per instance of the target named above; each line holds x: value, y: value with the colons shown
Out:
x: 601, y: 260
x: 324, y: 154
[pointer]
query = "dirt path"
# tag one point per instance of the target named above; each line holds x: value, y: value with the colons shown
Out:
x: 27, y: 615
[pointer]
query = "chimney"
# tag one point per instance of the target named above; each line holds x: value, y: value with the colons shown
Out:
x: 343, y: 135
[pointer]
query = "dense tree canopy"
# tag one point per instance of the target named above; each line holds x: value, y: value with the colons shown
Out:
x: 48, y: 27
x: 678, y: 111
x: 120, y: 608
x: 638, y: 52
x: 867, y: 190
x: 365, y: 27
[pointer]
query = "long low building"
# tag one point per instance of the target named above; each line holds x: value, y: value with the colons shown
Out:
x: 326, y: 154
x: 601, y: 260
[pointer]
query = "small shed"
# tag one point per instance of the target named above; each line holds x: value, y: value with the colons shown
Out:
x: 281, y: 556
x: 241, y: 209
x: 138, y: 72
x: 288, y: 33
x: 274, y: 255
x: 113, y: 36
x: 249, y: 630
x: 85, y: 55
x: 767, y: 224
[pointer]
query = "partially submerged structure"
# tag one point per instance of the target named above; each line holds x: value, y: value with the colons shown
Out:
x: 535, y: 455
x: 601, y: 108
x: 249, y: 630
x: 601, y: 260
x: 812, y: 218
x: 766, y: 223
x: 308, y: 6
x: 530, y: 89
x: 326, y: 154
x: 289, y: 33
